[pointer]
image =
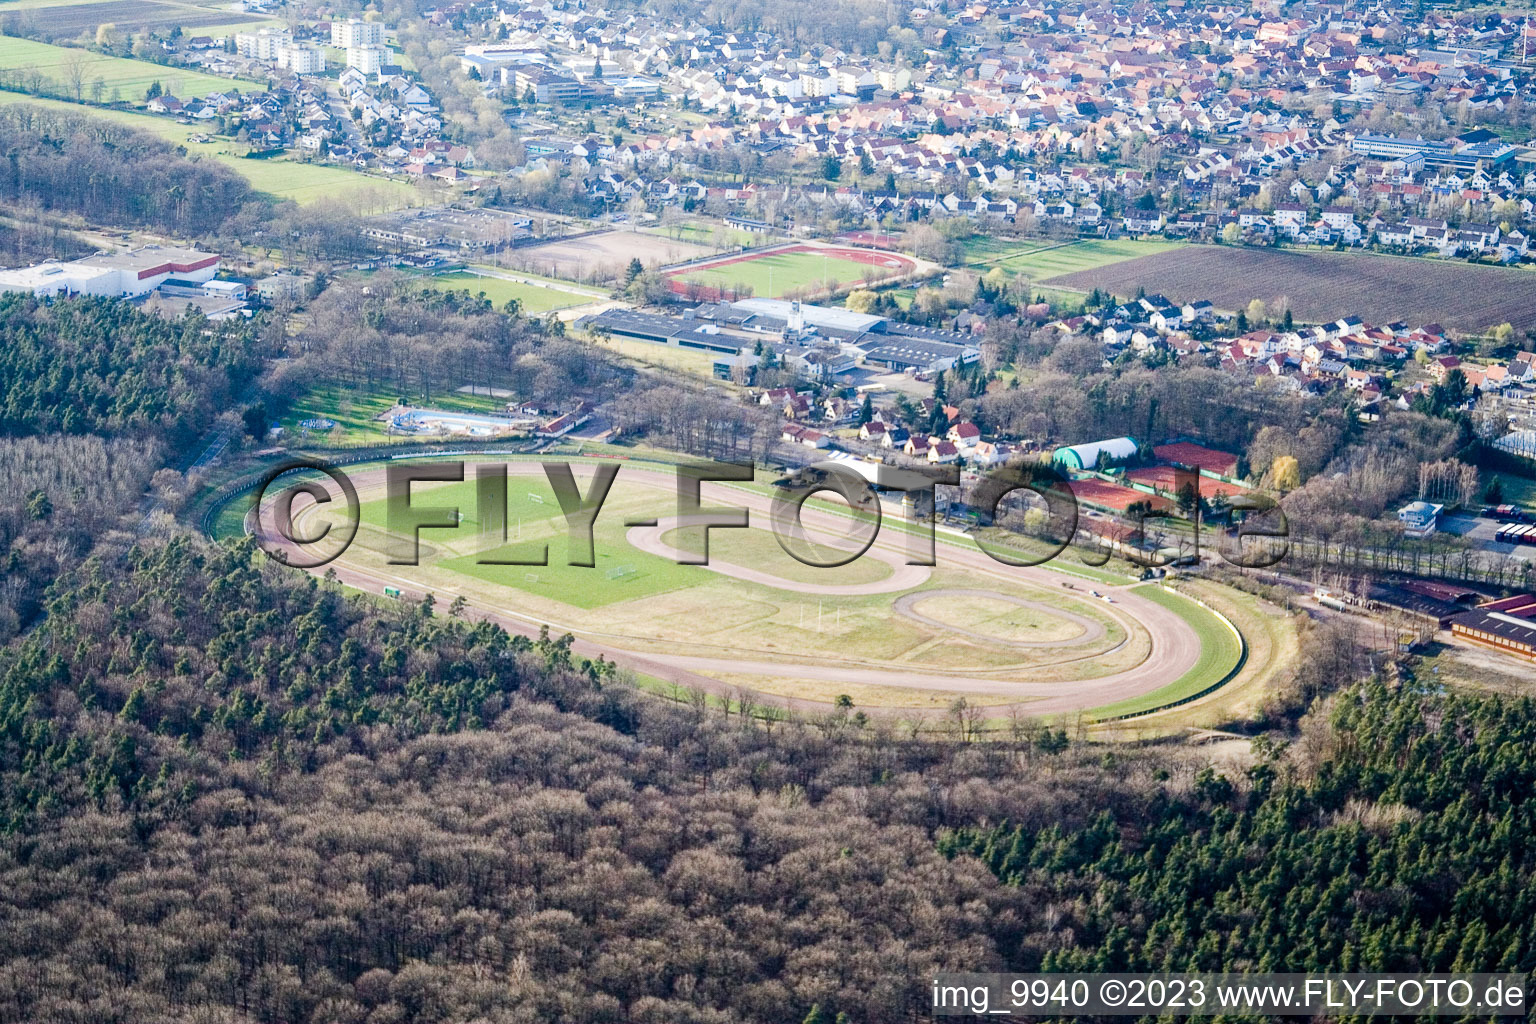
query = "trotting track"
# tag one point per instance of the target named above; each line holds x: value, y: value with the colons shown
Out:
x: 1175, y: 648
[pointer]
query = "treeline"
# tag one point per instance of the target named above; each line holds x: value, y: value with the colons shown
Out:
x: 1354, y: 470
x: 101, y: 366
x: 419, y: 343
x: 233, y: 793
x: 1073, y: 398
x: 698, y: 423
x: 109, y: 174
x: 24, y: 241
x: 56, y: 164
x: 1406, y: 841
x: 57, y: 495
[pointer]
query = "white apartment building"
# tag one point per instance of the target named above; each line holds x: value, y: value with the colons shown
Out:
x: 355, y: 32
x: 264, y: 44
x: 367, y: 59
x: 817, y: 83
x: 301, y: 59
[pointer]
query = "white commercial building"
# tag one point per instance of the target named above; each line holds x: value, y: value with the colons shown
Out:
x: 1086, y: 456
x: 635, y: 88
x: 115, y: 275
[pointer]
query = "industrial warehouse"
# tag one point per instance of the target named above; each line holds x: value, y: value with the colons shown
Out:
x: 125, y: 275
x: 843, y: 338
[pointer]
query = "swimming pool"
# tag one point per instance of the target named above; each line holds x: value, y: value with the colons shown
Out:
x: 442, y: 421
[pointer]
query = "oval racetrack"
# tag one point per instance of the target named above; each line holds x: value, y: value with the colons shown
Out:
x: 1175, y: 648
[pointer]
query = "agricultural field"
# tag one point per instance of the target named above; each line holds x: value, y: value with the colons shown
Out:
x: 532, y: 298
x: 887, y: 631
x: 126, y: 78
x: 800, y: 271
x: 69, y: 20
x: 1039, y: 261
x: 1322, y: 286
x: 277, y: 177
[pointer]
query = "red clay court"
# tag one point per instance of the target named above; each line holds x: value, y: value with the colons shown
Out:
x: 1093, y: 491
x: 1170, y: 478
x: 1198, y: 456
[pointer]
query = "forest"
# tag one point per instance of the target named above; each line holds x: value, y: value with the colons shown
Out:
x: 73, y: 168
x: 234, y: 793
x: 1401, y: 842
x: 108, y: 174
x: 394, y: 335
x: 100, y: 366
x: 94, y: 396
x: 25, y: 241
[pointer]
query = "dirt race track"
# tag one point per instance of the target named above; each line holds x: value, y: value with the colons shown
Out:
x: 1174, y: 650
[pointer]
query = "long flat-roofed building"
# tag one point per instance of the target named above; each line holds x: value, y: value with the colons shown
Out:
x: 1453, y: 153
x: 665, y: 330
x: 117, y: 275
x: 860, y: 338
x: 1508, y: 625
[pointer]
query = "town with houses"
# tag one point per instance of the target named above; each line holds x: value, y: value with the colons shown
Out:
x: 1017, y: 124
x: 729, y: 510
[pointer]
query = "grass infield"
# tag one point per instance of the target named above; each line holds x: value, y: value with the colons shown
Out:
x: 782, y: 274
x: 1220, y: 654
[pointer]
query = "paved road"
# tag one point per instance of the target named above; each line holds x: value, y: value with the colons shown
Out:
x: 1175, y: 646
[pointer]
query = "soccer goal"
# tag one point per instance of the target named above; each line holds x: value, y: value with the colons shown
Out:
x: 620, y: 572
